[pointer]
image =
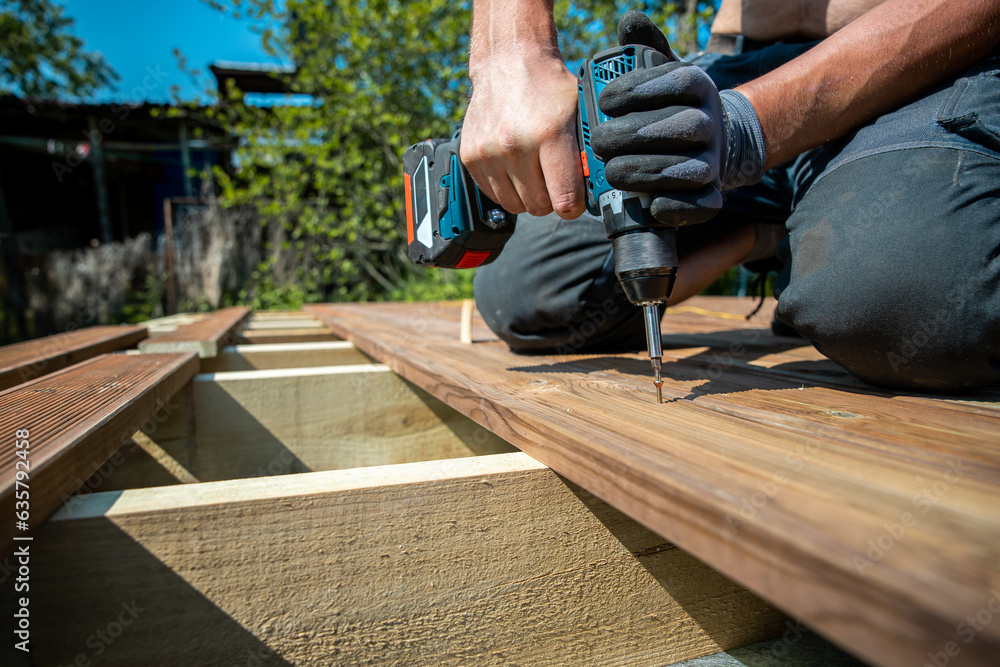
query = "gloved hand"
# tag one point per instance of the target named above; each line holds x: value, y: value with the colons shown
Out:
x: 672, y: 133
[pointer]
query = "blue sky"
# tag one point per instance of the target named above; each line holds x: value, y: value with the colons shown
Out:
x: 137, y: 37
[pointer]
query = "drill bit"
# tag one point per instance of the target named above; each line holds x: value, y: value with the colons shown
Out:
x: 657, y: 381
x: 654, y: 343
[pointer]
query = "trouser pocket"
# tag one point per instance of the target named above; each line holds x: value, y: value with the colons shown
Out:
x: 972, y: 110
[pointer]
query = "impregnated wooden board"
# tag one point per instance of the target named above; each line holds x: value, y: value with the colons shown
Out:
x: 491, y: 560
x: 26, y: 361
x: 289, y: 336
x: 873, y: 517
x: 276, y: 422
x: 259, y: 315
x: 205, y: 336
x: 161, y: 325
x: 271, y: 324
x: 75, y: 419
x: 283, y: 355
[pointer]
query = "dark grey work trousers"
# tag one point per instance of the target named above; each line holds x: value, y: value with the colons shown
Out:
x: 891, y: 266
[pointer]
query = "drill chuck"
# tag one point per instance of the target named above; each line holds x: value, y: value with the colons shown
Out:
x: 645, y: 250
x: 646, y: 263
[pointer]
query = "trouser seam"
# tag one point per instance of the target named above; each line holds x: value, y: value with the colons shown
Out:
x: 903, y: 147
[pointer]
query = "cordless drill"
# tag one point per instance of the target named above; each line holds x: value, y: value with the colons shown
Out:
x: 451, y: 224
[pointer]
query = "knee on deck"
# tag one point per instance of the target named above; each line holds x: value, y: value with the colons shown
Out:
x: 946, y: 347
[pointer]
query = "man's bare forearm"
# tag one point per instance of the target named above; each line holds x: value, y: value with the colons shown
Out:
x: 775, y: 20
x: 519, y: 135
x: 500, y: 27
x: 884, y: 59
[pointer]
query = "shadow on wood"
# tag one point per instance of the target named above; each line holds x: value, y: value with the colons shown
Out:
x: 483, y: 560
x: 276, y: 422
x: 133, y: 608
x: 706, y: 596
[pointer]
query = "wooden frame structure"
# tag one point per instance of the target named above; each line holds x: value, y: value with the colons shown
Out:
x: 364, y: 500
x: 767, y: 462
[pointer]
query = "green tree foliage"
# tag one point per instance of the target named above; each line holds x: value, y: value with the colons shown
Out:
x: 380, y: 75
x: 588, y: 26
x: 40, y: 57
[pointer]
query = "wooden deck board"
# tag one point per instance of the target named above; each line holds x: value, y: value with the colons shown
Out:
x: 76, y: 418
x: 206, y: 336
x: 26, y: 361
x: 874, y: 517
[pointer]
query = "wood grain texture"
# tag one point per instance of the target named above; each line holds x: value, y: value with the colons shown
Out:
x: 276, y: 422
x: 26, y: 361
x: 281, y: 315
x: 161, y: 325
x: 306, y: 335
x: 205, y: 337
x: 76, y: 419
x: 271, y: 323
x: 158, y: 455
x: 326, y: 418
x: 284, y: 355
x: 873, y: 517
x: 486, y: 561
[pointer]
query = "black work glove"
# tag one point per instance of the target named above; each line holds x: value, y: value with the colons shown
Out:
x: 672, y: 134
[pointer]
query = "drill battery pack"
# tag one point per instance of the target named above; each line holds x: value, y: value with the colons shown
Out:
x: 450, y: 223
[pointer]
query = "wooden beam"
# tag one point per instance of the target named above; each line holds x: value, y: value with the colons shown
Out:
x: 281, y: 315
x: 178, y: 473
x: 284, y: 355
x: 161, y: 325
x: 468, y: 305
x: 489, y: 560
x: 276, y: 422
x: 74, y: 420
x: 168, y: 233
x: 274, y: 323
x: 325, y: 418
x: 25, y: 361
x: 870, y: 516
x: 306, y: 335
x: 205, y: 337
x: 171, y: 322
